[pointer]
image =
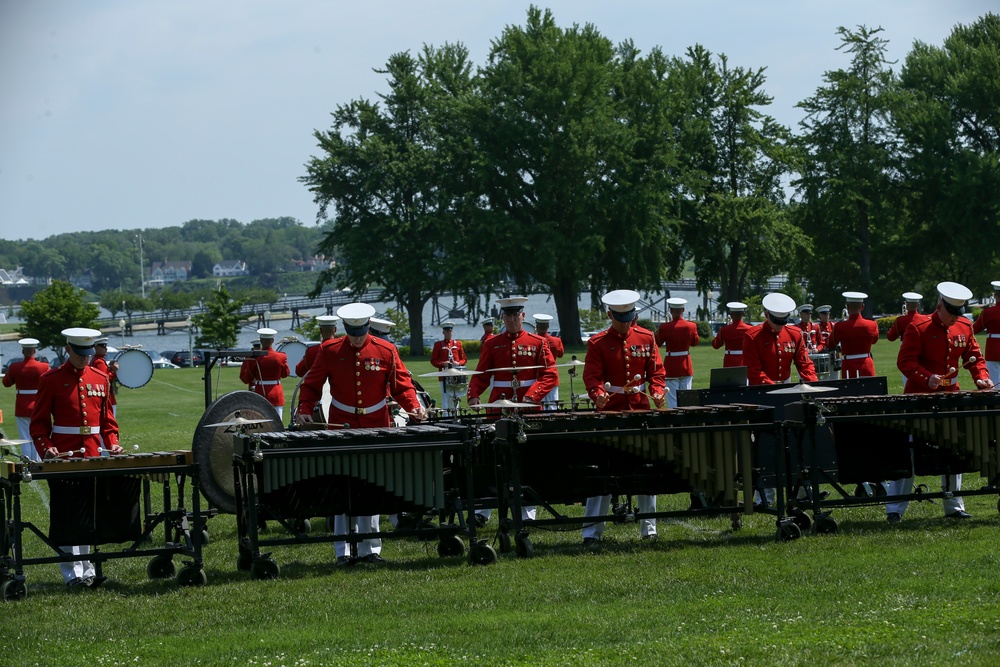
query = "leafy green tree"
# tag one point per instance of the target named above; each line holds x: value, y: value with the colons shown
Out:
x: 849, y: 192
x: 41, y: 261
x: 219, y: 325
x: 949, y: 120
x: 59, y: 306
x: 168, y: 300
x: 204, y: 261
x: 113, y: 301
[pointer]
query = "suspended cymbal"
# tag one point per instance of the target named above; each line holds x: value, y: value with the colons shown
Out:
x: 802, y: 389
x: 239, y: 421
x: 575, y: 362
x: 449, y: 373
x: 13, y: 443
x: 503, y: 403
x: 513, y: 368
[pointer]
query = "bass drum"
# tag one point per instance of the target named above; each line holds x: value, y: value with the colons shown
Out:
x: 213, y: 446
x: 294, y: 350
x: 135, y: 368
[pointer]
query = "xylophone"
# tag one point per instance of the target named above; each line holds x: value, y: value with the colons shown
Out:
x: 562, y: 458
x: 95, y: 501
x: 949, y: 433
x: 291, y: 476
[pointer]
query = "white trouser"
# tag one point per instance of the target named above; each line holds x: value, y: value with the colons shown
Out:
x: 358, y: 524
x: 447, y: 403
x: 528, y: 513
x: 24, y: 431
x: 601, y: 505
x: 281, y: 411
x: 551, y: 400
x: 674, y: 385
x: 78, y: 568
x: 899, y: 487
x: 768, y: 494
x: 994, y: 369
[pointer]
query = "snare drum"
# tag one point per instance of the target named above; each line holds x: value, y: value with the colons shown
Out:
x: 823, y: 363
x: 457, y: 380
x: 135, y: 368
x: 294, y: 350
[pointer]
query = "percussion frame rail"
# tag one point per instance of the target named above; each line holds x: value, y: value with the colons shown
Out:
x: 707, y: 450
x: 346, y: 464
x: 972, y: 429
x: 183, y: 531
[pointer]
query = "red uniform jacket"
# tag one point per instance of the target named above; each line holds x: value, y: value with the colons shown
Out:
x: 360, y: 379
x: 556, y: 347
x: 507, y: 350
x: 264, y: 374
x: 306, y: 362
x: 101, y: 364
x: 931, y: 348
x: 824, y: 330
x: 616, y: 359
x: 679, y: 336
x: 989, y: 321
x: 856, y: 335
x: 76, y: 403
x: 769, y: 356
x: 25, y: 375
x: 810, y: 332
x: 485, y: 337
x: 731, y: 337
x: 898, y: 327
x: 439, y: 355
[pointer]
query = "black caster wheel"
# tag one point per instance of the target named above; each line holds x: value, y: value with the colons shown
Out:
x: 482, y: 553
x: 265, y: 568
x: 302, y: 526
x: 244, y: 561
x: 451, y: 545
x: 205, y: 539
x: 161, y: 567
x: 503, y: 537
x: 525, y: 549
x: 191, y: 576
x: 12, y: 590
x: 801, y: 519
x: 788, y: 531
x: 825, y: 525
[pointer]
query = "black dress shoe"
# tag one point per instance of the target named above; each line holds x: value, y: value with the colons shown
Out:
x: 77, y: 582
x: 481, y: 520
x: 958, y: 514
x: 344, y: 561
x: 649, y: 538
x: 373, y: 559
x: 893, y: 517
x: 591, y: 541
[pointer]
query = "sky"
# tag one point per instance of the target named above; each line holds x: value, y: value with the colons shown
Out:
x: 123, y: 114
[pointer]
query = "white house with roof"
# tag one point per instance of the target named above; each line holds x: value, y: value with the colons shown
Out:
x: 165, y: 273
x: 228, y: 268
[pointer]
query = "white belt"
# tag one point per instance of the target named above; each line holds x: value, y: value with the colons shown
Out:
x: 507, y: 383
x: 266, y: 382
x: 677, y: 354
x: 993, y: 336
x: 734, y: 351
x: 76, y: 430
x: 358, y: 411
x: 621, y: 390
x: 25, y: 392
x: 857, y: 356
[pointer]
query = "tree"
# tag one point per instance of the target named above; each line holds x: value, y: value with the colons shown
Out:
x: 380, y: 174
x: 204, y: 261
x: 849, y: 176
x: 59, y: 306
x: 219, y: 325
x: 948, y: 116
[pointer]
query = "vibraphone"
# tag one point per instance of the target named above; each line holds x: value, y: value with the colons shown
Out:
x: 948, y: 432
x: 563, y: 458
x: 95, y: 501
x: 295, y: 475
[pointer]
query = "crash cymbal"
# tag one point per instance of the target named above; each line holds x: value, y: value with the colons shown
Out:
x: 575, y: 362
x: 13, y: 443
x: 513, y: 368
x: 239, y: 421
x: 802, y: 389
x: 450, y: 373
x: 503, y: 403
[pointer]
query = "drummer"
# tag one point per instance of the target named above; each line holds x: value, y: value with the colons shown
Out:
x: 24, y: 376
x: 487, y: 330
x: 100, y: 362
x: 327, y: 330
x: 263, y: 374
x: 824, y: 327
x: 771, y: 347
x: 730, y: 336
x: 810, y: 330
x: 855, y: 335
x: 677, y: 336
x: 448, y: 353
x: 911, y: 302
x: 542, y: 322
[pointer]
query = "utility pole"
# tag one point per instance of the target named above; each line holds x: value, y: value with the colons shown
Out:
x: 142, y: 268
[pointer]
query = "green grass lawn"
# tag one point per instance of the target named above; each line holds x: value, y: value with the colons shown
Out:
x: 924, y: 592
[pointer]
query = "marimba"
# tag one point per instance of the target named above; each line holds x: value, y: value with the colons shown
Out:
x: 95, y: 501
x: 948, y: 432
x: 563, y: 458
x: 291, y: 476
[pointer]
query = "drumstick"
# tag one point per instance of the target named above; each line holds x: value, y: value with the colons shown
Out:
x: 66, y: 455
x: 135, y: 448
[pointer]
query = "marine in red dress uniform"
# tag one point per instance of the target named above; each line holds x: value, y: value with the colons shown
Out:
x: 809, y: 329
x: 772, y: 347
x: 487, y: 330
x: 24, y: 376
x: 263, y: 374
x: 100, y: 362
x: 989, y: 321
x: 679, y: 336
x: 855, y: 335
x: 824, y: 328
x: 542, y: 322
x: 448, y: 353
x: 930, y: 357
x: 615, y: 357
x: 327, y: 330
x: 730, y: 336
x: 912, y: 314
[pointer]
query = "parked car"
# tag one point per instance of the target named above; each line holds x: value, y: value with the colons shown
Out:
x: 163, y: 363
x: 184, y: 359
x: 405, y: 341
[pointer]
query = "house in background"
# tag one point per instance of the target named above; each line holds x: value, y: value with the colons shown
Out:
x: 228, y: 268
x: 165, y: 273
